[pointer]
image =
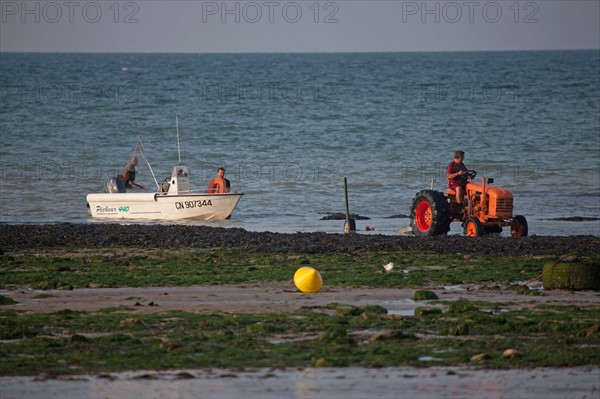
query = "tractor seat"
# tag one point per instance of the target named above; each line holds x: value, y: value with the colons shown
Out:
x: 449, y: 192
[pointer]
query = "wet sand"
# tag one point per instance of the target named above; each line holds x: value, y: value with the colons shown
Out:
x: 322, y: 383
x: 270, y: 297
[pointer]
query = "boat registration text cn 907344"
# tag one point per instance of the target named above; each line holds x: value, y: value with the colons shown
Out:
x: 192, y: 204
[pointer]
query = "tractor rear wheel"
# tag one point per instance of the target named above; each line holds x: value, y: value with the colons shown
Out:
x: 473, y: 227
x: 429, y: 214
x: 518, y: 227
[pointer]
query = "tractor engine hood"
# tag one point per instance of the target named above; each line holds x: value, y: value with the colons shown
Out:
x: 499, y: 201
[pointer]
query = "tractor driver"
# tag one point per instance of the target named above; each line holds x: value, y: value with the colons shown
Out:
x: 456, y: 173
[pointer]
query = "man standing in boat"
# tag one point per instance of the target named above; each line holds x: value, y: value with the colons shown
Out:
x: 128, y: 175
x: 219, y: 184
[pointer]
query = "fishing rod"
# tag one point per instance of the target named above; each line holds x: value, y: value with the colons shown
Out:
x: 177, y: 127
x: 140, y: 145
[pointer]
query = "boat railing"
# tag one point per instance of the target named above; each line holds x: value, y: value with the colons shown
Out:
x: 196, y: 192
x: 204, y: 191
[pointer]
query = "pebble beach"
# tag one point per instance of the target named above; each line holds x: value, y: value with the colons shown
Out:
x: 30, y: 236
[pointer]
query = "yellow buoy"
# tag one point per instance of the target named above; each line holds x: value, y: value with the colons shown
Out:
x: 308, y: 280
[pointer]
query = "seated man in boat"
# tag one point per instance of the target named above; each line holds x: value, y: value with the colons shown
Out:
x: 219, y: 184
x: 128, y: 175
x: 456, y: 173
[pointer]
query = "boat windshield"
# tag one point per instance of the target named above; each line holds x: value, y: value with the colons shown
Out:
x: 180, y: 171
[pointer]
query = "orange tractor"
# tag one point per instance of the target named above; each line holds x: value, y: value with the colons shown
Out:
x: 486, y: 209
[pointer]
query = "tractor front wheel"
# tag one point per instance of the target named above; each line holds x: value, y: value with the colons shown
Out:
x: 429, y: 214
x: 473, y: 227
x: 518, y: 227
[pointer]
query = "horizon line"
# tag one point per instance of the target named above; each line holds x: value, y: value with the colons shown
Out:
x: 292, y: 52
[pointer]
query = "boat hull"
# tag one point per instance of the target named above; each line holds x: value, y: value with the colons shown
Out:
x: 160, y: 206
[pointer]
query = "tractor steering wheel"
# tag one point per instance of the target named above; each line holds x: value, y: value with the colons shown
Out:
x: 471, y: 174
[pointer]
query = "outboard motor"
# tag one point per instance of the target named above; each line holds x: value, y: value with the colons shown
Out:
x: 164, y: 187
x: 114, y: 185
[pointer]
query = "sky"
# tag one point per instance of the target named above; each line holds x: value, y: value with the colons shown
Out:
x: 297, y: 26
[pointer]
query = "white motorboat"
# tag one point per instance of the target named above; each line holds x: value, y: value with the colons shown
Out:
x: 173, y: 201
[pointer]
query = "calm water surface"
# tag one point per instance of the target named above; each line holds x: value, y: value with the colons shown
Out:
x: 289, y: 127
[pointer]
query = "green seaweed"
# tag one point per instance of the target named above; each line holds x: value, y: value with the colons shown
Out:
x: 110, y: 267
x: 69, y: 342
x: 447, y: 332
x: 424, y: 295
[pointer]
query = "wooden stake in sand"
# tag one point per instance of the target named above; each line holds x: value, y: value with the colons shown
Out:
x: 349, y: 224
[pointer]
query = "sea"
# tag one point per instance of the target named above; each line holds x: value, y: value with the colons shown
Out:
x: 289, y: 128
